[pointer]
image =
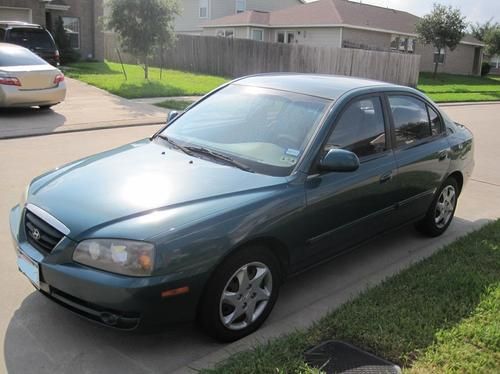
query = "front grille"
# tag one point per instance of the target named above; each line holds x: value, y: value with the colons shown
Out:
x: 40, y: 234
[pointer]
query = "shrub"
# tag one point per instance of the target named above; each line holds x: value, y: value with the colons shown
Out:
x: 485, y: 68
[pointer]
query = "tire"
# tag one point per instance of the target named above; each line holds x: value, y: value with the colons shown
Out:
x: 45, y: 107
x: 441, y: 210
x: 239, y: 313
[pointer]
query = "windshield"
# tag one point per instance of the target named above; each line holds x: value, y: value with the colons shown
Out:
x: 31, y: 38
x: 19, y: 57
x: 267, y: 130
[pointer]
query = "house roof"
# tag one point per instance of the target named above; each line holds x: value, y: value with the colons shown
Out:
x: 329, y: 13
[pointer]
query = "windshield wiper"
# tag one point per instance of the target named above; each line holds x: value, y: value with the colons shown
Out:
x: 176, y: 145
x: 219, y: 156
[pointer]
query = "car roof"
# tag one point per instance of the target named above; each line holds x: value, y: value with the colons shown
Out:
x: 330, y: 87
x: 11, y: 24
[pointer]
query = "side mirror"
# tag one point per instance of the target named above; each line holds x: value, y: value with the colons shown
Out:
x: 339, y: 160
x: 172, y: 115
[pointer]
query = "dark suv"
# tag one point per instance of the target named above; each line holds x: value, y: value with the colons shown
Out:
x: 34, y: 37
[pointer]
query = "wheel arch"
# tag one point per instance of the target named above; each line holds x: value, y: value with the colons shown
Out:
x: 459, y: 178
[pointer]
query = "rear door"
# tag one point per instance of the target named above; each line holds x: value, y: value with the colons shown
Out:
x: 344, y: 209
x: 421, y: 151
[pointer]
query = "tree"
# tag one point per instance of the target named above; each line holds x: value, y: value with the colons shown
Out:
x: 492, y: 40
x: 443, y: 28
x: 144, y: 26
x: 479, y: 31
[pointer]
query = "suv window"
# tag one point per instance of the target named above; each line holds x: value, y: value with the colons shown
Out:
x: 360, y: 128
x: 31, y: 38
x: 2, y: 35
x: 411, y: 121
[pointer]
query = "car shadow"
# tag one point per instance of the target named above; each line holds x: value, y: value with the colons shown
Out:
x: 45, y: 336
x: 16, y: 122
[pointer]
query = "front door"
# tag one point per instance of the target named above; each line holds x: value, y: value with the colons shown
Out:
x: 346, y: 208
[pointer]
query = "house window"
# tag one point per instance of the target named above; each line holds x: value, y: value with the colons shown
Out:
x: 394, y: 42
x: 241, y: 6
x: 72, y: 28
x: 439, y: 57
x: 287, y: 37
x: 203, y: 8
x: 412, y: 42
x: 225, y: 33
x: 258, y: 34
x: 403, y: 42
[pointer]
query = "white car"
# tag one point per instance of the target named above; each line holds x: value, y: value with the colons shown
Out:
x: 27, y: 80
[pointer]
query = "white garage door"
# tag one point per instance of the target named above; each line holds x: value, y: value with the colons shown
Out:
x: 15, y: 14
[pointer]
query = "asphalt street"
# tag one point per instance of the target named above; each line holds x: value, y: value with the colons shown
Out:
x: 39, y: 336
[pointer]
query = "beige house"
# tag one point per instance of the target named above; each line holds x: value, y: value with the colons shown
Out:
x: 196, y: 12
x: 347, y: 24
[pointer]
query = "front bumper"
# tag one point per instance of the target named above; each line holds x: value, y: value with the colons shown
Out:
x: 110, y: 299
x: 12, y: 96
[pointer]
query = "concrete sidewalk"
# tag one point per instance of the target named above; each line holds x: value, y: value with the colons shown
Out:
x: 86, y: 107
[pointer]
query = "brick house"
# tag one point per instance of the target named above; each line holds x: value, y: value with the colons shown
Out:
x: 347, y: 24
x: 80, y: 17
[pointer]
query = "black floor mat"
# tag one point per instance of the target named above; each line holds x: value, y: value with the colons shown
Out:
x: 334, y: 357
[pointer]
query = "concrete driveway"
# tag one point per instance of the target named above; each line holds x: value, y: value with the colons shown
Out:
x: 86, y: 107
x: 37, y: 335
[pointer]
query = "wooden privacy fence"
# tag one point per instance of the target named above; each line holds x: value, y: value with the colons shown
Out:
x: 238, y: 57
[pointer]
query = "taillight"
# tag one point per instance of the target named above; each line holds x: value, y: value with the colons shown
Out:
x: 59, y: 78
x: 10, y: 81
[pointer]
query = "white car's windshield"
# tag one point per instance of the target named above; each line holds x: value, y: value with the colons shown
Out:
x: 265, y: 129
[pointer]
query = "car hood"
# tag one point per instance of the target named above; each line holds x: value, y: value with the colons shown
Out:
x: 134, y: 180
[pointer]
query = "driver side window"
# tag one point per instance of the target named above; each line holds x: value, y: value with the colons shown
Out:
x: 360, y: 128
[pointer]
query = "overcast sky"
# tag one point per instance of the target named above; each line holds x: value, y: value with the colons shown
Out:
x: 475, y: 10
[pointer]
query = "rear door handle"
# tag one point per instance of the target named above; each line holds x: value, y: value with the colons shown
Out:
x: 386, y: 177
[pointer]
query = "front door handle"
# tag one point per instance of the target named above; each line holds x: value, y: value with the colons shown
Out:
x: 443, y: 155
x: 386, y: 177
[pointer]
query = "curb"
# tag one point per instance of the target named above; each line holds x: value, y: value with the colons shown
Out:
x: 468, y: 103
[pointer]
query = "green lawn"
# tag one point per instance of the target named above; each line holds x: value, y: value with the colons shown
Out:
x: 449, y: 88
x: 440, y: 315
x: 109, y: 76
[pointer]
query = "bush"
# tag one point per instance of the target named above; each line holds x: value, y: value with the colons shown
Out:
x: 485, y: 68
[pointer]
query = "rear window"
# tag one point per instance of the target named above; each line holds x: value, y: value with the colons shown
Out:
x: 19, y: 57
x: 31, y: 38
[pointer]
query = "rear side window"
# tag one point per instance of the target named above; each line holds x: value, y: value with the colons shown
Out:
x: 31, y: 38
x: 360, y: 128
x: 411, y: 121
x: 2, y: 34
x: 18, y: 57
x: 436, y: 127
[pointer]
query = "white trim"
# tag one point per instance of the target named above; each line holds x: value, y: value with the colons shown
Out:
x: 57, y: 7
x: 30, y: 11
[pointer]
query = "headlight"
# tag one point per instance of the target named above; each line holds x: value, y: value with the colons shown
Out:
x: 125, y: 257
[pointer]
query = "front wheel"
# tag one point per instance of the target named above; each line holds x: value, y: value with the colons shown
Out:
x: 441, y: 211
x: 241, y: 294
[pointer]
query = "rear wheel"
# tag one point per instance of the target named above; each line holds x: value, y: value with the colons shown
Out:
x: 441, y: 211
x: 241, y: 294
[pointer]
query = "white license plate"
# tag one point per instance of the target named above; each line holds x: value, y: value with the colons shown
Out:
x: 29, y: 268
